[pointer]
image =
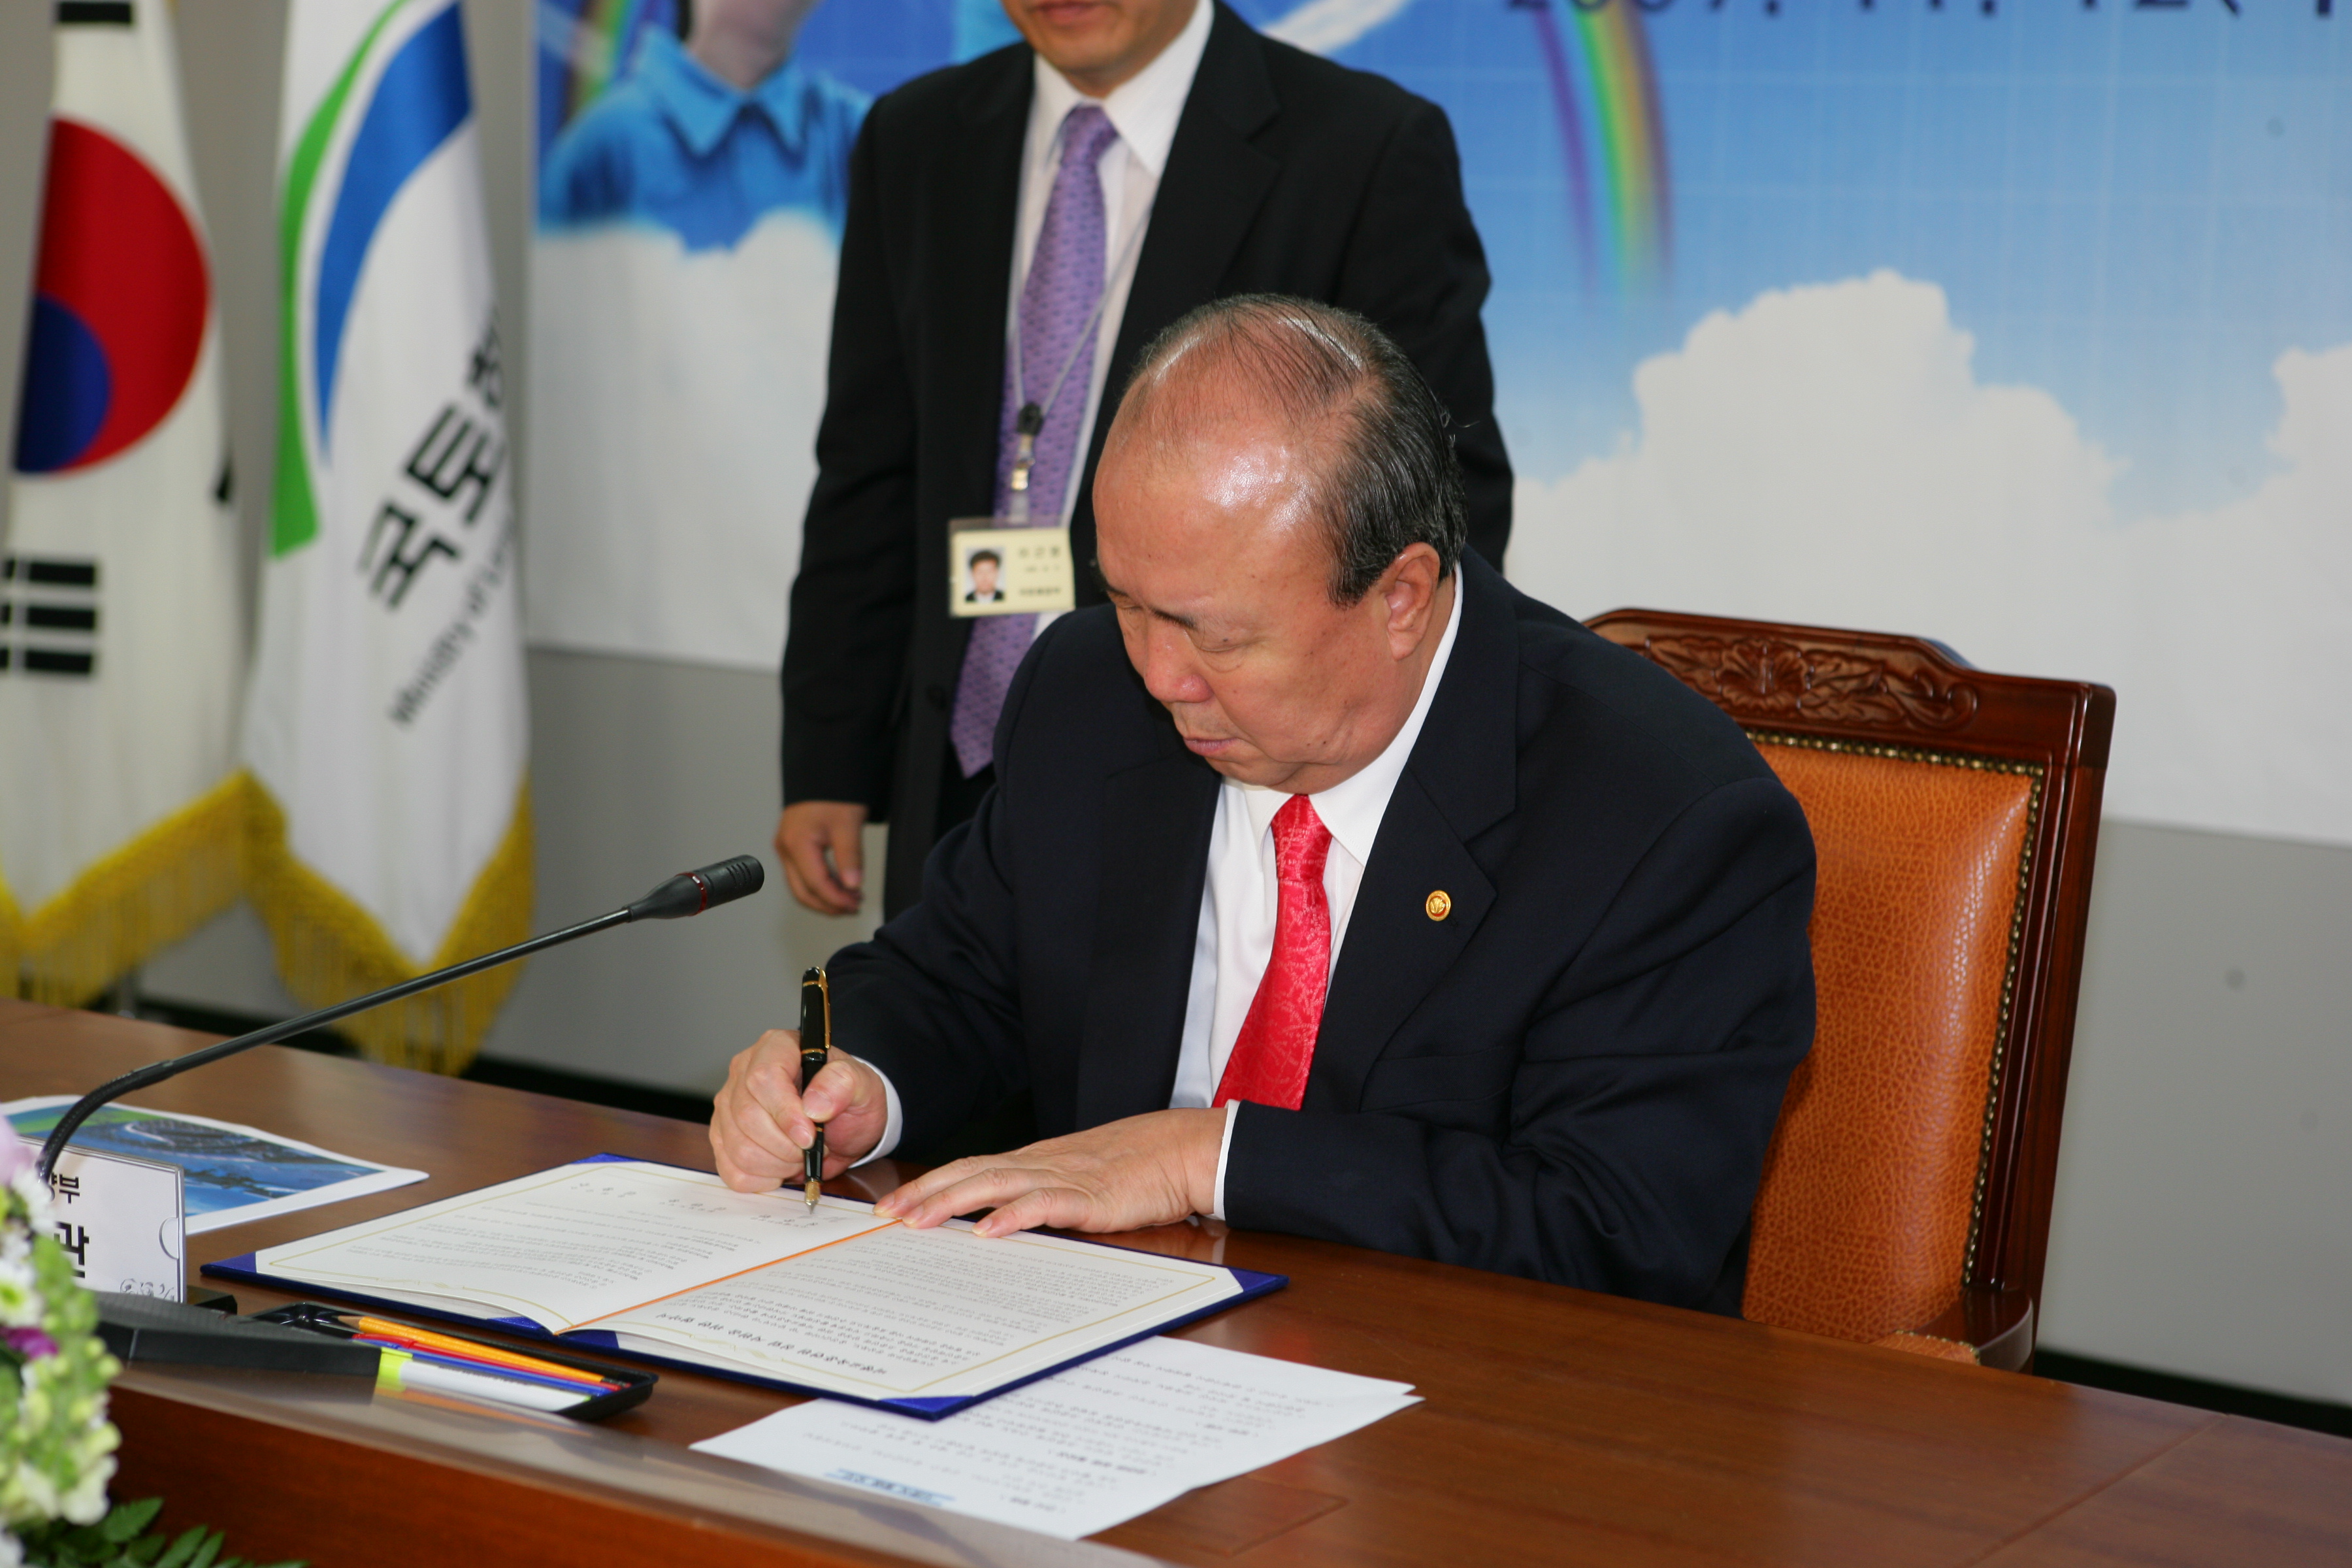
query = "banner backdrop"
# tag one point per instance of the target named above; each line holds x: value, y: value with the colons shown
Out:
x: 2023, y: 326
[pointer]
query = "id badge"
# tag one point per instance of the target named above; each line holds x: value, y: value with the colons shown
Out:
x: 998, y: 571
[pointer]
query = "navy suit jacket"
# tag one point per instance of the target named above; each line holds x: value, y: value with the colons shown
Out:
x: 1573, y: 1075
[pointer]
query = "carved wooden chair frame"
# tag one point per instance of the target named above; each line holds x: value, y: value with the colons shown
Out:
x: 1904, y: 695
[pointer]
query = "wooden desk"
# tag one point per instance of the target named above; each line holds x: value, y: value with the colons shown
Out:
x: 1560, y: 1426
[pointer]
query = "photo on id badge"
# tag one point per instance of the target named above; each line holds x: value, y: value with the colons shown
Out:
x: 995, y: 570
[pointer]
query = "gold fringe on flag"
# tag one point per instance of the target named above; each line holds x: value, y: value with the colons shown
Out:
x: 330, y: 949
x: 12, y: 940
x: 132, y: 902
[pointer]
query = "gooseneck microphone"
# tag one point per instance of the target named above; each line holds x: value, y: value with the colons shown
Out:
x: 687, y: 893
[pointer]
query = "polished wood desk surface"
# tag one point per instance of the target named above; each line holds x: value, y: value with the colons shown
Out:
x: 1559, y: 1427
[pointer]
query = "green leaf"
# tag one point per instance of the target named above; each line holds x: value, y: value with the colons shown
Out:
x: 128, y: 1521
x: 207, y: 1551
x: 183, y: 1547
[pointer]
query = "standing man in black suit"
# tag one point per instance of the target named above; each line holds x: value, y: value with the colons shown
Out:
x: 1329, y: 885
x: 1237, y: 165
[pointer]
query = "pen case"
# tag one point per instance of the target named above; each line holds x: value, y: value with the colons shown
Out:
x: 635, y: 1388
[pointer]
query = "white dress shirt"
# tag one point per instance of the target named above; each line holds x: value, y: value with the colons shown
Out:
x: 1144, y: 110
x: 1234, y: 941
x: 1235, y: 938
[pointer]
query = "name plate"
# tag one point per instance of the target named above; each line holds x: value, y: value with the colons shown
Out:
x: 123, y: 1222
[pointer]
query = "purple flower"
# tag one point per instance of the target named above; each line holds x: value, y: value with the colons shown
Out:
x: 29, y: 1343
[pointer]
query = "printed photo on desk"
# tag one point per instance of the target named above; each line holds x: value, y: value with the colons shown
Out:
x: 234, y: 1174
x: 669, y: 1266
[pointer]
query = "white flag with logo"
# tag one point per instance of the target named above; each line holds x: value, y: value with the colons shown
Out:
x: 387, y: 729
x: 121, y: 650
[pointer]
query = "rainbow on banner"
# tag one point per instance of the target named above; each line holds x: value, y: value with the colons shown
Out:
x: 1605, y: 93
x: 580, y: 60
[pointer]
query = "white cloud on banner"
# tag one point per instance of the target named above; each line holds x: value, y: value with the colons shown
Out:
x: 1827, y: 455
x: 674, y: 399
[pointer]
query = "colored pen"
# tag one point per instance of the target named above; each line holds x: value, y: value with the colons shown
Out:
x: 493, y: 1362
x: 402, y: 1370
x: 816, y: 1043
x: 410, y: 1337
x: 489, y: 1369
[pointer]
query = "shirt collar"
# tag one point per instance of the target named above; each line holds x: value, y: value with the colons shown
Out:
x: 1353, y: 807
x: 703, y: 107
x: 1145, y: 108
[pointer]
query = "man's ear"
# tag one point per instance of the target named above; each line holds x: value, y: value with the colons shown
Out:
x: 1408, y: 591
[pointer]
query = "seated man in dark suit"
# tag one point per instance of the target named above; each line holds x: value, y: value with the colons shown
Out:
x: 1328, y: 884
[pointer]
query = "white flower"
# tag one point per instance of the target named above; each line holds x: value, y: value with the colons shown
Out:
x: 20, y: 1301
x: 86, y: 1504
x: 34, y: 1194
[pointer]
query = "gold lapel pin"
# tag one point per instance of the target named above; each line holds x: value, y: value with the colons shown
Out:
x: 1438, y: 905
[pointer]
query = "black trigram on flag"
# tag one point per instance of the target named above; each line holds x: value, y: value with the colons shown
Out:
x: 48, y: 615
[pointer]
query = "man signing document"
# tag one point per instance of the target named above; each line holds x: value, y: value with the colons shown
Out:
x: 1329, y: 885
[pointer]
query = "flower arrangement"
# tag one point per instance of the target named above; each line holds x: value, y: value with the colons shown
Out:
x: 57, y: 1445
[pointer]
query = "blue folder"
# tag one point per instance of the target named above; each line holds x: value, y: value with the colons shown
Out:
x: 241, y: 1270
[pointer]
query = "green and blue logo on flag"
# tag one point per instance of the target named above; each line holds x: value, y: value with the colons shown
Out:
x: 418, y: 102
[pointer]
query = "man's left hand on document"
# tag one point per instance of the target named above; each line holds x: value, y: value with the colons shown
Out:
x: 1153, y: 1169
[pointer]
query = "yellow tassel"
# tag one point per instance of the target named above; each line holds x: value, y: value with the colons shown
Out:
x: 12, y: 940
x: 330, y: 949
x: 132, y: 902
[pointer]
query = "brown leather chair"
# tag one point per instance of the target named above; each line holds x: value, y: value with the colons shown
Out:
x: 1906, y: 1194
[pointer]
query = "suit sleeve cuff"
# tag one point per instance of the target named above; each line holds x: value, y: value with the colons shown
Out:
x: 894, y: 1124
x: 1224, y: 1152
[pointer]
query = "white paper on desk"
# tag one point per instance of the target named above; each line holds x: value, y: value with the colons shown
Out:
x: 233, y: 1173
x: 1084, y: 1449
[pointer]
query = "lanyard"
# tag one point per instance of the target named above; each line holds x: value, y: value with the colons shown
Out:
x: 1031, y: 420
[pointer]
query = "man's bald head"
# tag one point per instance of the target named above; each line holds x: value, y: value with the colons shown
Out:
x: 1380, y: 473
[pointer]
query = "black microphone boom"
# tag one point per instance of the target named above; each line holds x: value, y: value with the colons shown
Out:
x: 687, y: 893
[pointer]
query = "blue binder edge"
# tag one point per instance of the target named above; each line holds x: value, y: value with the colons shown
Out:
x: 241, y: 1270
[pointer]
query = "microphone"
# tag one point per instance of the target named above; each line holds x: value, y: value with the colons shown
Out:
x: 687, y: 893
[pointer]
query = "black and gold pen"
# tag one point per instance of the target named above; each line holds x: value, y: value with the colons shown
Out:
x: 816, y: 1042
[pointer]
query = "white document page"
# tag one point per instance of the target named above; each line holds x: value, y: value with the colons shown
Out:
x: 1084, y: 1449
x: 933, y: 1313
x: 566, y: 1247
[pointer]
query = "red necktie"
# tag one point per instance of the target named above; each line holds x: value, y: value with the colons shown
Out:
x: 1276, y: 1045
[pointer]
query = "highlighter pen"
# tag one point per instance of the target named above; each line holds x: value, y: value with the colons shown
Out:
x: 410, y: 1337
x: 816, y: 1042
x: 402, y: 1370
x: 578, y: 1390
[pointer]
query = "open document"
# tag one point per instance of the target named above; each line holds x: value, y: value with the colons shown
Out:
x: 1086, y: 1448
x: 671, y: 1265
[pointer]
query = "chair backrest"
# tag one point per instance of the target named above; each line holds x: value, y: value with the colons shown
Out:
x: 1955, y: 813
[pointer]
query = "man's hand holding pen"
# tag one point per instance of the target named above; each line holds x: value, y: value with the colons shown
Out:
x: 1145, y: 1170
x: 764, y: 1116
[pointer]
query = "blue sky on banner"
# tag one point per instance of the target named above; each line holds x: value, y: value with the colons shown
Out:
x: 2134, y: 206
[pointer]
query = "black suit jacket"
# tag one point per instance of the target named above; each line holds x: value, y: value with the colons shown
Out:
x: 1288, y: 175
x: 1573, y: 1075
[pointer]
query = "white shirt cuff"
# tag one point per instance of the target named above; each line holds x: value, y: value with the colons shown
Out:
x: 1225, y: 1152
x: 894, y: 1124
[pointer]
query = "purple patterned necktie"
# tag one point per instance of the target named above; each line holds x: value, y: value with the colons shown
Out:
x: 1057, y: 306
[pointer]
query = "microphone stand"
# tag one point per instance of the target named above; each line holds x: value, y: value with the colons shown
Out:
x: 685, y: 894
